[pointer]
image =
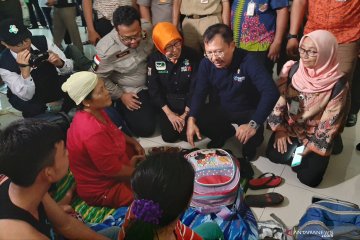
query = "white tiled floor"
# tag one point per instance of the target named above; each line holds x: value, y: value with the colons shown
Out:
x: 342, y: 179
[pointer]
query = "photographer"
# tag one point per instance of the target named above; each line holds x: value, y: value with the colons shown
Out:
x: 33, y: 68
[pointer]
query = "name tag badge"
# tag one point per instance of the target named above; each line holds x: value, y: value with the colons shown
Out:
x: 122, y: 54
x: 294, y: 107
x: 160, y: 65
x: 250, y: 11
x: 204, y: 1
x: 185, y: 69
x: 238, y: 78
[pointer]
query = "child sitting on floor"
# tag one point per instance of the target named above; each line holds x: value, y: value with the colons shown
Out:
x: 163, y: 185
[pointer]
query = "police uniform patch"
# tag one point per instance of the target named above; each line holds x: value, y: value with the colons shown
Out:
x: 160, y: 65
x: 122, y: 54
x: 185, y: 69
x: 95, y: 63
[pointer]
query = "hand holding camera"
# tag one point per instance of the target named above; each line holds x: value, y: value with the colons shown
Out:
x: 35, y: 58
x: 22, y: 59
x: 55, y: 60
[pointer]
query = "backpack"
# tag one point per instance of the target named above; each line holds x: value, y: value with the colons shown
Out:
x: 217, y: 179
x: 330, y: 219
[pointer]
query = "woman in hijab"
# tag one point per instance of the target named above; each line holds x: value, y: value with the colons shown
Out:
x: 102, y: 158
x: 171, y: 71
x: 310, y: 111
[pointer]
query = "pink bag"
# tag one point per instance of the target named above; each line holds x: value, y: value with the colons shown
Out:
x: 217, y: 179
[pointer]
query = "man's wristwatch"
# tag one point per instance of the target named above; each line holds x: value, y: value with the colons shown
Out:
x: 290, y: 36
x: 253, y: 124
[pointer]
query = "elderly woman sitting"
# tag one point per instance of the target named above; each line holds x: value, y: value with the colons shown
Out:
x: 102, y: 158
x: 311, y: 109
x: 171, y: 71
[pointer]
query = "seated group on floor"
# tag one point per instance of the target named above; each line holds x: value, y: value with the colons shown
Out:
x: 129, y: 87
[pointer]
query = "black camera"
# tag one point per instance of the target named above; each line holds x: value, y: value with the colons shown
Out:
x: 37, y: 57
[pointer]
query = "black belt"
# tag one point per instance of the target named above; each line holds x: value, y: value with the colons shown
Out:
x: 195, y: 16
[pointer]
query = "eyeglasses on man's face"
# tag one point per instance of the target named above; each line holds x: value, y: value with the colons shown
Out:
x: 23, y: 42
x: 309, y: 52
x: 211, y: 55
x: 129, y: 39
x: 173, y: 46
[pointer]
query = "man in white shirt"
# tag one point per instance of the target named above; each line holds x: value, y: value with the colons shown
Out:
x: 32, y: 84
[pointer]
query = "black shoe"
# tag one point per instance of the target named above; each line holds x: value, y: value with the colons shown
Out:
x: 246, y: 170
x: 351, y: 120
x: 33, y: 27
x: 358, y: 147
x: 338, y: 145
x: 216, y: 143
x: 249, y: 153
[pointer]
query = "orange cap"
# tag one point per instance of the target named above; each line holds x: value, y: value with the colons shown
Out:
x: 163, y: 34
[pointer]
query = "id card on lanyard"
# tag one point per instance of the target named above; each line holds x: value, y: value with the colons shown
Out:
x: 294, y: 107
x: 250, y: 11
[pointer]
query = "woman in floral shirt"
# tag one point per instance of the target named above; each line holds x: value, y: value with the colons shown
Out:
x: 311, y: 108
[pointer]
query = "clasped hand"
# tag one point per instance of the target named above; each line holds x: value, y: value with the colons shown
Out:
x: 178, y: 122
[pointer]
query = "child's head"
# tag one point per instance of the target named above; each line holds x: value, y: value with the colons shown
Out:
x: 163, y: 185
x: 28, y: 147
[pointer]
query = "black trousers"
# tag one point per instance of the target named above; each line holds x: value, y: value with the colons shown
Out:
x: 39, y: 13
x: 312, y: 168
x: 215, y: 123
x: 103, y: 26
x: 168, y: 133
x: 48, y: 17
x: 141, y: 122
x: 37, y: 105
x: 33, y: 107
x: 11, y: 9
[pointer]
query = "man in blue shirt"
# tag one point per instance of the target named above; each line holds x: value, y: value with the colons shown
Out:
x: 241, y: 92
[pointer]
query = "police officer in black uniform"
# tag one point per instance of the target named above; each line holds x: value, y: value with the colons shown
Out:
x: 171, y: 72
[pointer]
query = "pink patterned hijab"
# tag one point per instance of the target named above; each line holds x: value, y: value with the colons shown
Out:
x: 326, y: 72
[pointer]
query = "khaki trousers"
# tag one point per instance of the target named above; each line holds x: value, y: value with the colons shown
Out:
x: 64, y: 19
x: 193, y: 30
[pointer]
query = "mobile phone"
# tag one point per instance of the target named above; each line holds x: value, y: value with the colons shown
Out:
x: 297, y: 157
